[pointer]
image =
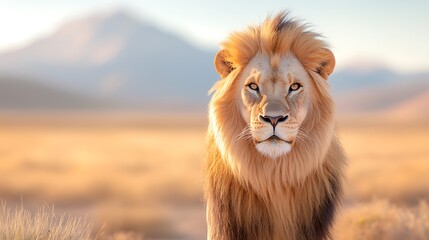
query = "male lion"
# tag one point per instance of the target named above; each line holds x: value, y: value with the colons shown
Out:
x: 274, y: 168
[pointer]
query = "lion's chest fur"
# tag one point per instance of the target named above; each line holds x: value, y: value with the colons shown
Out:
x: 238, y: 212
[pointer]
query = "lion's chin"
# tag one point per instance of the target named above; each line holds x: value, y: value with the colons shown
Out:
x: 273, y: 149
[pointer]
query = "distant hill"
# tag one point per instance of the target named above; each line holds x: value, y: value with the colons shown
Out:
x: 21, y: 94
x: 117, y: 57
x: 415, y: 107
x: 116, y: 61
x: 380, y: 91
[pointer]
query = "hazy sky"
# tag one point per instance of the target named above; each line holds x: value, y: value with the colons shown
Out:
x: 391, y: 33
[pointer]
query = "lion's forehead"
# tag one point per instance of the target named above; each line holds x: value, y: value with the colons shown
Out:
x: 267, y: 72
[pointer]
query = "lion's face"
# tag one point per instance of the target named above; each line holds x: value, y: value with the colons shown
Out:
x: 272, y: 101
x: 274, y: 97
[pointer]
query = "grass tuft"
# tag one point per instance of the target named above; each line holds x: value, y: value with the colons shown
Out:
x: 20, y: 224
x: 382, y: 220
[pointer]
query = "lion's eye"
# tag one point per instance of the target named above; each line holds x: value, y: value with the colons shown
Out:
x: 294, y: 87
x: 253, y: 86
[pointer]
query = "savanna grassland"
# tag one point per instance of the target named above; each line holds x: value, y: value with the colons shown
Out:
x: 138, y: 177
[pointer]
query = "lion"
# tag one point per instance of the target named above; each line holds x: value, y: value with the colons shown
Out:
x: 274, y: 166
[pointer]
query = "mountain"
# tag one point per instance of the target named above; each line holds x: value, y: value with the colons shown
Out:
x: 116, y: 57
x: 415, y: 107
x: 350, y: 79
x: 380, y: 91
x: 22, y: 94
x: 117, y: 61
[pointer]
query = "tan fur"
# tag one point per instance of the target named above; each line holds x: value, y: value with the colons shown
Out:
x: 269, y: 199
x: 295, y: 37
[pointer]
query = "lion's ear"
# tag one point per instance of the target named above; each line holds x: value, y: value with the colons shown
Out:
x: 327, y: 64
x: 222, y: 66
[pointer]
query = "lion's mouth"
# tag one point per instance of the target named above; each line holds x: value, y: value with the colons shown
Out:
x: 274, y: 139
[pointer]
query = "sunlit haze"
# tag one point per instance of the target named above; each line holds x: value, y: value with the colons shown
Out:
x: 364, y: 33
x: 107, y: 129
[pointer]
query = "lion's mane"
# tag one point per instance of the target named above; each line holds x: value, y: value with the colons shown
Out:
x: 250, y: 196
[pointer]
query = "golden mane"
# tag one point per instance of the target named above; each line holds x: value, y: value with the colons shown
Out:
x: 250, y: 196
x: 278, y: 35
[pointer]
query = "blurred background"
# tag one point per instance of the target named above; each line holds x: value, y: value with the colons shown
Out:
x: 103, y: 109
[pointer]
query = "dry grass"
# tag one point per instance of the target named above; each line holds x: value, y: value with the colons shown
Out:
x: 128, y: 177
x: 142, y: 178
x: 381, y: 220
x: 387, y: 160
x: 43, y: 224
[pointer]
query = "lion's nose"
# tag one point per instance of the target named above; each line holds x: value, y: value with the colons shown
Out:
x: 273, y: 120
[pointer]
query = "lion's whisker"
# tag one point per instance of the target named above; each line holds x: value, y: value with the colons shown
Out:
x: 245, y: 134
x: 303, y: 136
